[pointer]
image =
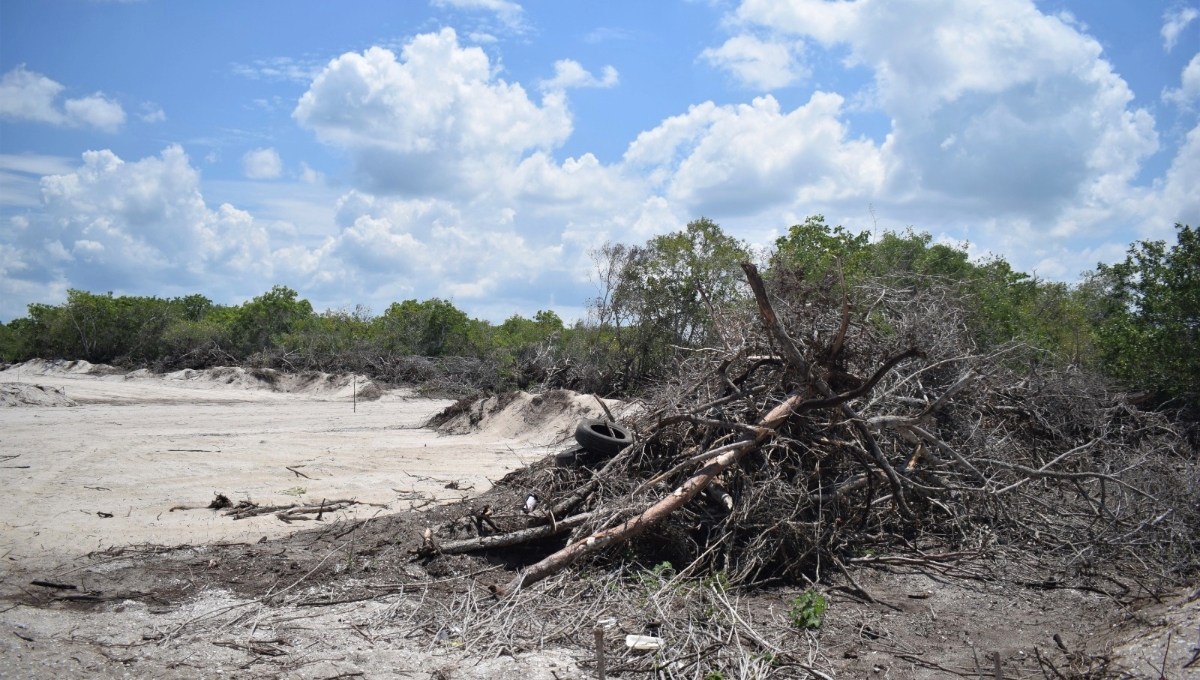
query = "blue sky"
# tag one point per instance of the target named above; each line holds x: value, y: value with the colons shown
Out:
x: 365, y: 152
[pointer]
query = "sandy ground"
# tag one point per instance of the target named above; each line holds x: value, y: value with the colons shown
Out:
x: 77, y: 441
x: 80, y: 442
x: 136, y: 445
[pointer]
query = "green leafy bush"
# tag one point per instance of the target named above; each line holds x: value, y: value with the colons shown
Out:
x: 807, y: 609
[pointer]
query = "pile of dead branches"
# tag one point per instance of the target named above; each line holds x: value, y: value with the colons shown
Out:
x: 837, y: 424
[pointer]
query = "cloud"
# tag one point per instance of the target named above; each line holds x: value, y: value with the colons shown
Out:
x: 758, y: 64
x: 310, y: 176
x: 20, y: 175
x: 1178, y: 200
x: 152, y: 113
x: 1174, y: 23
x: 36, y: 164
x: 138, y: 226
x: 437, y: 121
x: 1007, y: 127
x: 477, y: 255
x: 749, y: 158
x: 1189, y: 85
x: 262, y: 164
x: 95, y: 110
x: 512, y: 14
x: 27, y: 95
x: 604, y: 34
x: 569, y: 73
x: 996, y: 108
x: 279, y: 69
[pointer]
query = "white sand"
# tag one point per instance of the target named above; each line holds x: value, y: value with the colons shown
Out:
x: 138, y: 444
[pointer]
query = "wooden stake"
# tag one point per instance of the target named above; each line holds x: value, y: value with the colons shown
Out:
x: 999, y: 670
x: 354, y: 390
x: 598, y: 631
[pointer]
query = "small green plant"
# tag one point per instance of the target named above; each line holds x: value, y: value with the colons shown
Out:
x: 714, y: 675
x: 807, y: 610
x: 772, y: 659
x: 656, y: 577
x: 294, y: 491
x: 718, y: 582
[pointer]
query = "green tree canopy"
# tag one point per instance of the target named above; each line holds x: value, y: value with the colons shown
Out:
x: 431, y: 328
x: 1149, y: 320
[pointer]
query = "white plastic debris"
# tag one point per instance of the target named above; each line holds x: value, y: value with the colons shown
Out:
x: 643, y: 643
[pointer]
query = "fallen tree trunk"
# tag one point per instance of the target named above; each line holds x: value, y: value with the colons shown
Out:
x: 505, y: 540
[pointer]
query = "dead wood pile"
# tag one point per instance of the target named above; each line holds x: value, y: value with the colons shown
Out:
x: 836, y: 424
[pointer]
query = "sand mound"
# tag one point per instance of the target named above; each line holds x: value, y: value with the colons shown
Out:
x: 33, y: 395
x: 52, y: 367
x: 545, y: 418
x: 224, y: 377
x: 308, y: 382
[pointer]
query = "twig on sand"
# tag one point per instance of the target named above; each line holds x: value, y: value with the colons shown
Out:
x: 296, y: 472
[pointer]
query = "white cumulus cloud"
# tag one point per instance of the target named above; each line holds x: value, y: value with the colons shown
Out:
x: 95, y: 110
x: 1174, y: 22
x: 437, y: 120
x: 996, y: 108
x: 569, y: 73
x: 1008, y: 128
x: 262, y: 164
x: 1189, y: 84
x: 758, y: 64
x: 140, y: 226
x: 27, y: 95
x: 745, y: 159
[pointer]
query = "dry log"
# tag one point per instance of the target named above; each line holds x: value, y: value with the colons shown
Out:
x: 503, y: 540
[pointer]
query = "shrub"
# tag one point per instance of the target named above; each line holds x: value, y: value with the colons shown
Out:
x: 807, y: 609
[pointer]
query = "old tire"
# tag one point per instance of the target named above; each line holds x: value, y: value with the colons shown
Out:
x: 570, y: 456
x: 602, y: 437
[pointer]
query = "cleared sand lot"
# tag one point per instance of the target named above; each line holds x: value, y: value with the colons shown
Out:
x: 80, y: 442
x: 134, y: 446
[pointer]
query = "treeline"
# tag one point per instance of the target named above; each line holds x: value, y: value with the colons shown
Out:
x: 410, y: 341
x: 1137, y: 321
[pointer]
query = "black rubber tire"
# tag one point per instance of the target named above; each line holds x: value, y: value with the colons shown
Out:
x: 603, y: 437
x: 570, y: 456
